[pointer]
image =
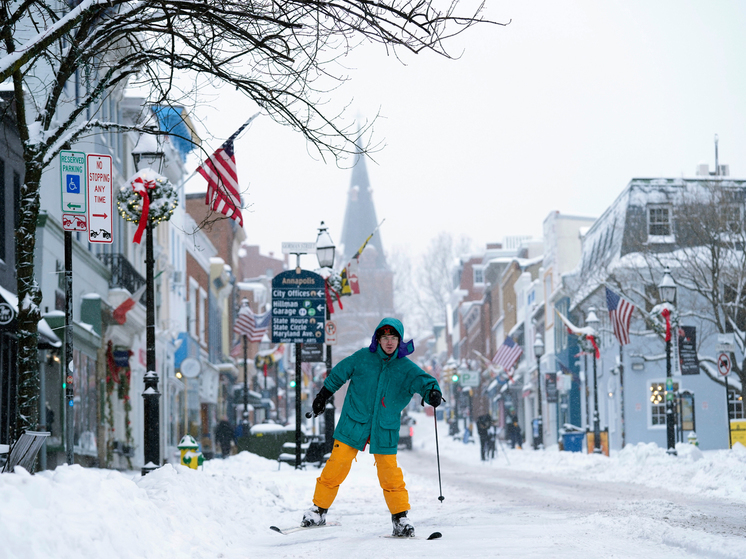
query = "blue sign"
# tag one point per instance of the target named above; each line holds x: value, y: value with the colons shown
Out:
x: 73, y: 184
x: 298, y: 308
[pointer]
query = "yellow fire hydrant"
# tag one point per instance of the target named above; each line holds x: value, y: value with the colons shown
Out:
x: 692, y: 438
x: 191, y: 457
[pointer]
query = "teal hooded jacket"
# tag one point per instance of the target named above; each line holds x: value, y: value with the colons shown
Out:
x: 380, y: 388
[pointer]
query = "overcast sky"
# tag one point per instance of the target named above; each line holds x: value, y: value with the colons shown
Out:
x: 555, y: 112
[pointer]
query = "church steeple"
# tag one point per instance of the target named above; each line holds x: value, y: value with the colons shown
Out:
x: 360, y: 215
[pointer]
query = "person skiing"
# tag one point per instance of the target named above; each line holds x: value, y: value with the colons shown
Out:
x: 382, y: 382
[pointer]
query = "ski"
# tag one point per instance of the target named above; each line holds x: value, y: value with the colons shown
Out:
x: 290, y: 530
x: 433, y: 536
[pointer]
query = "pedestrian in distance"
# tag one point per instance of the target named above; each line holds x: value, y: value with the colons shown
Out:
x: 224, y: 436
x: 484, y: 422
x: 382, y: 381
x: 514, y: 430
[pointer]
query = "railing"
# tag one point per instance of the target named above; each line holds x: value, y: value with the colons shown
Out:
x: 123, y: 274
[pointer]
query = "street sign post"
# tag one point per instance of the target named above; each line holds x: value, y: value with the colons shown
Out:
x: 73, y: 183
x: 100, y: 199
x: 298, y: 307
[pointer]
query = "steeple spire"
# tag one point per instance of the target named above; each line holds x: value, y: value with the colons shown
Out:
x: 360, y: 215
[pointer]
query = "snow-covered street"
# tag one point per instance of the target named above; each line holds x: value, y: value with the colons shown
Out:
x: 637, y: 503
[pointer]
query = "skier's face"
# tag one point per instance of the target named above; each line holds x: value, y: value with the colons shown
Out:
x: 389, y: 344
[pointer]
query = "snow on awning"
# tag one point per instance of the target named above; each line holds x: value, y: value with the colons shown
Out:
x: 47, y: 338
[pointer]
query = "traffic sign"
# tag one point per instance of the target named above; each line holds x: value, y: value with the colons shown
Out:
x: 726, y: 343
x: 469, y: 378
x: 724, y: 364
x: 74, y: 222
x: 100, y: 200
x: 330, y: 329
x: 298, y: 307
x: 73, y: 182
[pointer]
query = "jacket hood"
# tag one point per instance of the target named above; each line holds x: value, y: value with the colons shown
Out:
x: 405, y: 348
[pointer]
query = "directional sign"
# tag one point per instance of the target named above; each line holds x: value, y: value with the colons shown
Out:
x: 100, y: 200
x: 724, y: 364
x: 298, y: 308
x: 73, y: 182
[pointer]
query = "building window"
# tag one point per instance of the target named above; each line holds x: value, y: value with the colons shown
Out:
x: 659, y: 221
x: 202, y: 309
x: 478, y: 275
x: 733, y: 219
x: 3, y: 205
x: 735, y: 405
x: 658, y: 402
x: 192, y: 308
x: 16, y: 199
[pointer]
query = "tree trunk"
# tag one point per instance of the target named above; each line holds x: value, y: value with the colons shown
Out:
x: 29, y: 299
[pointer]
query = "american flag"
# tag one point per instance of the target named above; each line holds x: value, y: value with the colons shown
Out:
x: 620, y: 313
x: 222, y: 179
x: 508, y: 354
x: 251, y: 325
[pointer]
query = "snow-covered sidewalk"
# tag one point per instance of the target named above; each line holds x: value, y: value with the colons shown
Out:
x: 225, y: 509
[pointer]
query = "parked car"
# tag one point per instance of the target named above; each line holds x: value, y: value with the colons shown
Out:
x: 406, y: 431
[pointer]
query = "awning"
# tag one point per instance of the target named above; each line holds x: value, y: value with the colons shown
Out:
x: 47, y: 338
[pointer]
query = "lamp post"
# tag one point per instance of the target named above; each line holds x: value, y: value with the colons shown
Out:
x: 245, y: 416
x: 538, y: 352
x: 148, y: 154
x: 593, y: 321
x: 667, y: 291
x: 325, y: 253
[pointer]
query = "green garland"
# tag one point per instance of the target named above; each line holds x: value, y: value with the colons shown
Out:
x: 119, y: 378
x: 163, y: 200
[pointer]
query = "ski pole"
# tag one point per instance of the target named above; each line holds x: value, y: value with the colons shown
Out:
x: 437, y: 454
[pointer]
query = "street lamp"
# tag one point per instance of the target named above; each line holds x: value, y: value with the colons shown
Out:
x: 667, y: 291
x: 593, y: 321
x: 148, y: 153
x: 325, y: 247
x: 325, y: 253
x: 538, y: 352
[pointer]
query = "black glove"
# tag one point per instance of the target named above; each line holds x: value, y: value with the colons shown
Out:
x: 434, y: 398
x: 319, y: 403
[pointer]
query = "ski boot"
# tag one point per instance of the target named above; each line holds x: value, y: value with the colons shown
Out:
x: 402, y: 527
x: 315, y: 516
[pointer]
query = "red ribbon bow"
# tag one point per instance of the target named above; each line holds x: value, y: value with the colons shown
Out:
x: 667, y: 315
x: 329, y: 303
x: 592, y: 339
x: 141, y: 187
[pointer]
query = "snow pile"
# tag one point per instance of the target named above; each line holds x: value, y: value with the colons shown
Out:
x: 720, y: 473
x: 225, y: 509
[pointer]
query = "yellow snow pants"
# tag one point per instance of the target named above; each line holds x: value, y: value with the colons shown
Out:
x: 338, y: 466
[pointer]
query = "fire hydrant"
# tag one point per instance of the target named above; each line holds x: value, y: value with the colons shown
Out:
x: 691, y: 438
x: 191, y: 457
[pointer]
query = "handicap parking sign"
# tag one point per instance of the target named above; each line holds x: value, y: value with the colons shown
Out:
x: 73, y: 184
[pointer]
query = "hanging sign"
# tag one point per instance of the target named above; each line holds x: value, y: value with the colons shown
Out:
x: 688, y: 360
